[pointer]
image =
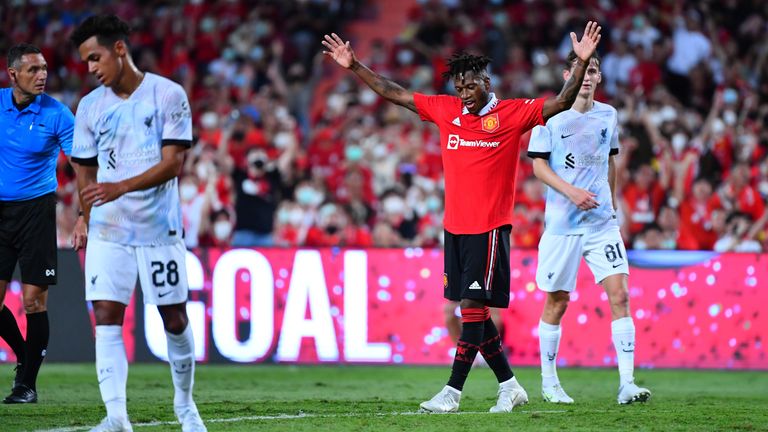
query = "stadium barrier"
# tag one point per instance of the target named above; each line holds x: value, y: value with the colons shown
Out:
x: 691, y: 310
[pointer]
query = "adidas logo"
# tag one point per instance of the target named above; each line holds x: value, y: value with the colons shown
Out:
x: 475, y: 285
x: 456, y: 121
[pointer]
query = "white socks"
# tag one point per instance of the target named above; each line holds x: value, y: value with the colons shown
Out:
x: 510, y: 383
x: 181, y: 357
x: 549, y: 342
x: 623, y: 334
x: 112, y: 369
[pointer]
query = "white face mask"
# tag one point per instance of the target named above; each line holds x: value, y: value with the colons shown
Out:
x: 394, y: 206
x: 187, y: 191
x: 209, y: 120
x: 222, y: 229
x: 367, y: 97
x: 202, y: 170
x: 679, y: 140
x: 282, y: 140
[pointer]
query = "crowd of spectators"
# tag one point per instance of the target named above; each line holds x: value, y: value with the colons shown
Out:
x: 278, y: 162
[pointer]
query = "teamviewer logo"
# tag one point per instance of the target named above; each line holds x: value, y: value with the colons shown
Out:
x: 453, y: 142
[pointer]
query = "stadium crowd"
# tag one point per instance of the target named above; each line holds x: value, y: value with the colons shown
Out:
x: 279, y: 162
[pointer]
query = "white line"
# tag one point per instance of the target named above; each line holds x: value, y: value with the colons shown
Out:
x: 300, y: 415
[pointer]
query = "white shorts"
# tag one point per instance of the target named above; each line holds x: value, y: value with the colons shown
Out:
x: 111, y: 270
x: 560, y: 257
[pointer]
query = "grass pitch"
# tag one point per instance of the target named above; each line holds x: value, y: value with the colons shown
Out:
x: 356, y: 398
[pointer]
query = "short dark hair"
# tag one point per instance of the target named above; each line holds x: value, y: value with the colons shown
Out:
x: 108, y: 29
x: 18, y: 51
x: 572, y: 57
x: 464, y: 62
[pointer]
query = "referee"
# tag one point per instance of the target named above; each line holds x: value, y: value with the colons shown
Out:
x: 33, y: 128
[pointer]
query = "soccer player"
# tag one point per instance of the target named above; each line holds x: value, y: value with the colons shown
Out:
x: 573, y: 154
x: 129, y: 142
x: 35, y: 127
x: 479, y: 136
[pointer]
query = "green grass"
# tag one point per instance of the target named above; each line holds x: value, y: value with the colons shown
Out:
x: 354, y: 398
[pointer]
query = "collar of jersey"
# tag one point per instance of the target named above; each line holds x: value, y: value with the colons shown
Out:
x: 8, y: 105
x: 492, y: 102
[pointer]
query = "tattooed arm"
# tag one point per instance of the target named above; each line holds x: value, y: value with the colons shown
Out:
x: 342, y: 53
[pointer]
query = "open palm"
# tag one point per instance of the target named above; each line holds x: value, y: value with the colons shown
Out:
x: 339, y: 50
x: 588, y: 43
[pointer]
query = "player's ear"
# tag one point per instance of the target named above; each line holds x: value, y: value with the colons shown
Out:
x: 12, y: 75
x: 120, y: 47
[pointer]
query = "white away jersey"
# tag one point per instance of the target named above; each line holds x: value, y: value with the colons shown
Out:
x: 126, y: 136
x: 577, y: 147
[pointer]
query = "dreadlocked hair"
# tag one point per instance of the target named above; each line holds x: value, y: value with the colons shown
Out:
x: 463, y: 62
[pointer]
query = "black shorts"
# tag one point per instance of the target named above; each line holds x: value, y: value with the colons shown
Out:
x: 28, y: 235
x: 477, y: 267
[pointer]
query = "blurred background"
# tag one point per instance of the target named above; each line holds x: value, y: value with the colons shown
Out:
x: 312, y: 207
x: 291, y: 151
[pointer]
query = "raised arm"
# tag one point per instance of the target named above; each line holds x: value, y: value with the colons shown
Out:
x: 342, y: 53
x: 584, y: 50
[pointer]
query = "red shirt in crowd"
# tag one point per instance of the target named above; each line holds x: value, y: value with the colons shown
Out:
x: 643, y: 205
x: 747, y: 200
x: 696, y: 231
x: 480, y: 157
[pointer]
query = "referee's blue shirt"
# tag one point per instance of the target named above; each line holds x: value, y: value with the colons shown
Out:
x: 30, y: 141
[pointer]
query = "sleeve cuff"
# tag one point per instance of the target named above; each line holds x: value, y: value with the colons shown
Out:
x: 539, y: 155
x: 177, y: 142
x: 91, y: 161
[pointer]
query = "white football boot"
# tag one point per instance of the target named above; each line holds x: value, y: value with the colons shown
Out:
x: 110, y: 424
x: 446, y: 401
x: 511, y: 394
x: 630, y: 392
x: 555, y: 394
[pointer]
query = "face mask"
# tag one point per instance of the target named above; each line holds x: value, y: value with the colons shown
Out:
x: 296, y: 216
x: 209, y: 120
x: 762, y: 187
x: 222, y: 229
x: 257, y: 53
x: 331, y: 229
x: 433, y: 204
x: 394, y: 206
x: 282, y: 140
x: 336, y: 103
x: 261, y: 29
x: 202, y: 170
x: 207, y: 24
x: 307, y: 196
x: 730, y: 96
x: 405, y: 57
x: 367, y: 97
x: 679, y: 140
x: 353, y: 153
x: 283, y: 216
x: 187, y: 191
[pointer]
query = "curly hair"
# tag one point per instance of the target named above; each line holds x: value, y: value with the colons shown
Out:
x: 108, y: 29
x: 461, y: 63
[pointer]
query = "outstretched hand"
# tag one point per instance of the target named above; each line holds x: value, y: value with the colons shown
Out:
x: 588, y: 43
x: 339, y: 50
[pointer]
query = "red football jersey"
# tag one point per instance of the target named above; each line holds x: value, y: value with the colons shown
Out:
x: 480, y: 155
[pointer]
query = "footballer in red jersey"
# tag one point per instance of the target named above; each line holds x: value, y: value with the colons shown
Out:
x: 479, y: 136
